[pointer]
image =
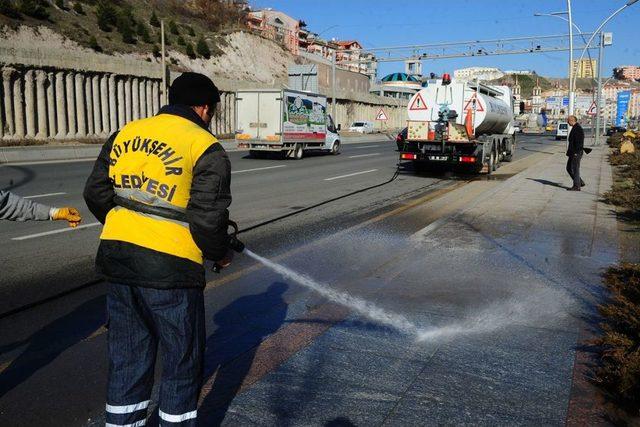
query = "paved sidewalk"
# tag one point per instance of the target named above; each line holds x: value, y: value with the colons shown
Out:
x: 506, y: 285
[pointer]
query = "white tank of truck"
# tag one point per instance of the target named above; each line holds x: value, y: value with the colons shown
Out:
x: 491, y: 107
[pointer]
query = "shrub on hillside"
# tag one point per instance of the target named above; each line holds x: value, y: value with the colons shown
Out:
x: 77, y: 8
x: 60, y: 5
x: 8, y: 9
x: 156, y: 51
x: 619, y: 347
x: 34, y: 8
x: 181, y: 41
x: 124, y: 28
x: 190, y: 52
x: 93, y: 44
x: 154, y: 21
x: 143, y: 32
x: 190, y: 31
x: 202, y: 48
x: 107, y: 16
x: 173, y: 28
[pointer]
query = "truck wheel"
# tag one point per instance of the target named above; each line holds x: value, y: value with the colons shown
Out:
x: 297, y: 152
x: 491, y: 166
x: 335, y: 148
x: 512, y: 149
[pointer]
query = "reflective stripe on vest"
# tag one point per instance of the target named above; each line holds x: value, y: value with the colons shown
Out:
x: 152, y: 162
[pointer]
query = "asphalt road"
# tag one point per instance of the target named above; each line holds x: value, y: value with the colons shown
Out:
x: 55, y: 351
x: 42, y: 259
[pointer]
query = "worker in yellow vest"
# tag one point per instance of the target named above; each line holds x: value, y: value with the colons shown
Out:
x: 161, y: 186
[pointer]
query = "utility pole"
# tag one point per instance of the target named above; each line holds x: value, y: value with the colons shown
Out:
x: 599, y: 94
x: 571, y: 76
x: 164, y: 65
x: 333, y: 85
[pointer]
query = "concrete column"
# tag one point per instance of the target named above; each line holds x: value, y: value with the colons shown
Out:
x: 149, y: 97
x: 155, y: 97
x: 127, y: 99
x: 51, y: 104
x: 41, y: 105
x: 97, y: 105
x: 7, y: 101
x: 113, y: 102
x: 61, y: 105
x: 104, y: 104
x: 72, y: 122
x: 18, y: 105
x: 30, y: 103
x: 122, y: 117
x: 80, y: 106
x: 135, y: 99
x: 143, y: 99
x: 88, y: 100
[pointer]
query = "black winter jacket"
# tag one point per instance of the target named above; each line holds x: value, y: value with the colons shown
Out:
x: 576, y: 141
x: 207, y: 215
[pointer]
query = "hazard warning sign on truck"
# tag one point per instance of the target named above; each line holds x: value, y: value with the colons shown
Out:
x: 418, y: 104
x: 382, y: 116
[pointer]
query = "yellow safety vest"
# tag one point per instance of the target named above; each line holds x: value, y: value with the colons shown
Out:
x: 152, y: 162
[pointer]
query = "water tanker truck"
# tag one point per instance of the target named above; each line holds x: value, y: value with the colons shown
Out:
x: 460, y: 125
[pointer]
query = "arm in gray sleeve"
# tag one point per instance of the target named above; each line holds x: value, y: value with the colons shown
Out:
x: 15, y: 208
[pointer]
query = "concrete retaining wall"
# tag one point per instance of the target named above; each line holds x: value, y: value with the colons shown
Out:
x: 49, y: 103
x: 85, y: 96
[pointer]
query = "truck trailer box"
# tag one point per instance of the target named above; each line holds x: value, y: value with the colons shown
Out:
x: 283, y: 120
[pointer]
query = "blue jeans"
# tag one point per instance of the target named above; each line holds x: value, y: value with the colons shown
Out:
x: 139, y: 320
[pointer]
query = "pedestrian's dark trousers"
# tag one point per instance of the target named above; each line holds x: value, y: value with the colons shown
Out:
x: 140, y: 319
x: 573, y: 168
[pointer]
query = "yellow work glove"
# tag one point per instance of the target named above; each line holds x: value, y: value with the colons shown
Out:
x: 67, y: 214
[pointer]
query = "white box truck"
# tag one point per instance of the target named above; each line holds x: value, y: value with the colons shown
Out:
x: 285, y: 121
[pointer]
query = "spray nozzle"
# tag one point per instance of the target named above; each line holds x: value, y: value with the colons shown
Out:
x: 234, y: 243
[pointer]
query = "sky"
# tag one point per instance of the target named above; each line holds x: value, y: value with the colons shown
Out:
x: 382, y: 23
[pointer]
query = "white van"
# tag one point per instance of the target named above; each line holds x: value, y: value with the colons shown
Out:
x: 362, y: 127
x: 562, y: 131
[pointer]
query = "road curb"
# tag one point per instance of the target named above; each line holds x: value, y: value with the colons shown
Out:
x: 48, y: 153
x: 44, y: 153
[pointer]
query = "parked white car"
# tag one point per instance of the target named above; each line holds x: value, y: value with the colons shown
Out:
x: 562, y: 131
x: 362, y: 127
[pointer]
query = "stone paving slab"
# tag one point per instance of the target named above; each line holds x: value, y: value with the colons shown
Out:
x: 514, y: 279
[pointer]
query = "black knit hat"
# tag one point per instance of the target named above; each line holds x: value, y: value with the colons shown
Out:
x: 193, y: 89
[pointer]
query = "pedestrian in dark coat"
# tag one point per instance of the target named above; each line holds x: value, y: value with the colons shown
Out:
x: 575, y: 149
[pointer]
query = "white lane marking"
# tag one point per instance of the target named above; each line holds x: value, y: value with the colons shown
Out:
x: 351, y: 174
x: 260, y: 169
x: 62, y: 230
x: 367, y: 146
x: 364, y: 155
x: 43, y: 195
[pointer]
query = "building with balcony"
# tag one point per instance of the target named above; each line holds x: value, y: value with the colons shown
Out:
x: 628, y: 72
x: 277, y: 26
x: 585, y: 68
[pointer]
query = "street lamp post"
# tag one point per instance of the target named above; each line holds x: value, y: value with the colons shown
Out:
x: 605, y: 22
x: 586, y: 48
x: 571, y: 77
x: 574, y: 25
